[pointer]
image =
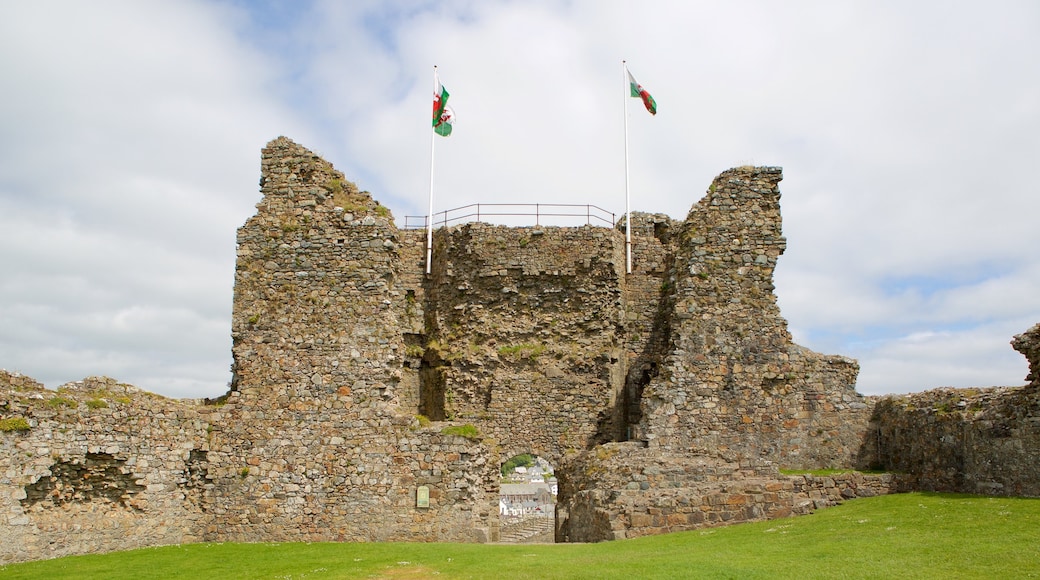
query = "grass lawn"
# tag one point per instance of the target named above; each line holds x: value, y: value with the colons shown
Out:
x: 917, y: 535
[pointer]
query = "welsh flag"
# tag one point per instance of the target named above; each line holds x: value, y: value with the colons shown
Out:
x: 636, y: 90
x: 443, y: 116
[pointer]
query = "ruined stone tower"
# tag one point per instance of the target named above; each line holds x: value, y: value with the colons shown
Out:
x: 533, y: 336
x: 371, y: 401
x: 321, y: 440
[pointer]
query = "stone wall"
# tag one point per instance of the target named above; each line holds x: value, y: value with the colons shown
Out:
x: 649, y: 310
x: 623, y: 490
x: 1028, y: 343
x: 732, y: 382
x: 534, y: 336
x: 350, y: 362
x: 666, y: 398
x: 984, y: 440
x: 522, y: 329
x: 99, y: 466
x: 319, y: 438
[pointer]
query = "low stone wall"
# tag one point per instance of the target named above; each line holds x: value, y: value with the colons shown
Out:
x: 99, y: 466
x: 626, y: 494
x: 829, y: 490
x: 362, y: 491
x: 984, y: 441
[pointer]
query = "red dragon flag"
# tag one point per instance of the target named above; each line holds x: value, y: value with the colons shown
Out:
x: 636, y: 90
x: 443, y: 116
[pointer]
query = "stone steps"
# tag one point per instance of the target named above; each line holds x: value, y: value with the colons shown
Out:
x: 527, y: 529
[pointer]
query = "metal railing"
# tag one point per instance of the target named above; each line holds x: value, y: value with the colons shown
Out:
x: 590, y: 214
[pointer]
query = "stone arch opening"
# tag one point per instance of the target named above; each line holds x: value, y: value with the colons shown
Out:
x: 528, y: 490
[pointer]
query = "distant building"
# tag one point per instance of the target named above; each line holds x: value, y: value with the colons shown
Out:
x: 521, y: 499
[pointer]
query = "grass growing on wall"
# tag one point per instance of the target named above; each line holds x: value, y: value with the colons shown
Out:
x: 56, y: 402
x: 468, y: 431
x: 523, y: 350
x: 916, y: 535
x: 14, y: 424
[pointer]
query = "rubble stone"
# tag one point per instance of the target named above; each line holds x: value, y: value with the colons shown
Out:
x: 667, y: 398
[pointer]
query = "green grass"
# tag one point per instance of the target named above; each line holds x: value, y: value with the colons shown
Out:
x: 96, y: 404
x: 56, y: 402
x: 14, y: 424
x: 523, y: 350
x: 899, y: 536
x: 522, y: 460
x: 468, y: 431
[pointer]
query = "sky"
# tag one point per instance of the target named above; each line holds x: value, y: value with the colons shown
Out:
x: 130, y: 138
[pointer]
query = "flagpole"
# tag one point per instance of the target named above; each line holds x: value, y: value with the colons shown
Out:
x: 429, y: 216
x: 628, y: 204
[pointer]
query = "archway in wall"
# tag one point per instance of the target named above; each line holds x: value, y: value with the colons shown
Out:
x: 527, y: 500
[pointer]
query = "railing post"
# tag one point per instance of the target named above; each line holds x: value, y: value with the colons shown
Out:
x: 478, y: 212
x: 536, y: 217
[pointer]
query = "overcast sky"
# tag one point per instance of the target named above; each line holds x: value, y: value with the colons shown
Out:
x: 909, y: 134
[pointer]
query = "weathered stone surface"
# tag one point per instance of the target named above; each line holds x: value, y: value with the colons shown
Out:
x: 731, y: 382
x: 1028, y: 343
x: 984, y: 441
x: 521, y: 335
x: 104, y: 466
x: 669, y: 492
x: 319, y: 439
x: 666, y: 398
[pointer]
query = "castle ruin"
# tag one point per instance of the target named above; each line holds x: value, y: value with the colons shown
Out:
x: 371, y: 401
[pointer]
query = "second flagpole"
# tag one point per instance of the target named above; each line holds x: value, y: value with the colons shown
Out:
x: 628, y: 208
x: 429, y: 216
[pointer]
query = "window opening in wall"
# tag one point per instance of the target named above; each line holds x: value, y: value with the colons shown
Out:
x: 527, y: 501
x: 432, y: 389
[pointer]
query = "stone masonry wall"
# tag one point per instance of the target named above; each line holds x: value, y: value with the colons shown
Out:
x: 534, y: 339
x: 522, y: 332
x: 319, y: 439
x: 98, y: 466
x: 719, y: 386
x: 666, y: 398
x: 623, y: 490
x: 732, y: 382
x: 984, y: 441
x: 1028, y: 343
x: 534, y: 336
x: 649, y: 310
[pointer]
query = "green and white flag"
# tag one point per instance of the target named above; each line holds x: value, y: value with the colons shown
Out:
x: 443, y: 116
x: 636, y: 90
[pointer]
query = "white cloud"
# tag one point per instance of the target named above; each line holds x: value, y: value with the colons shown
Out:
x: 130, y: 156
x: 131, y: 133
x: 977, y: 357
